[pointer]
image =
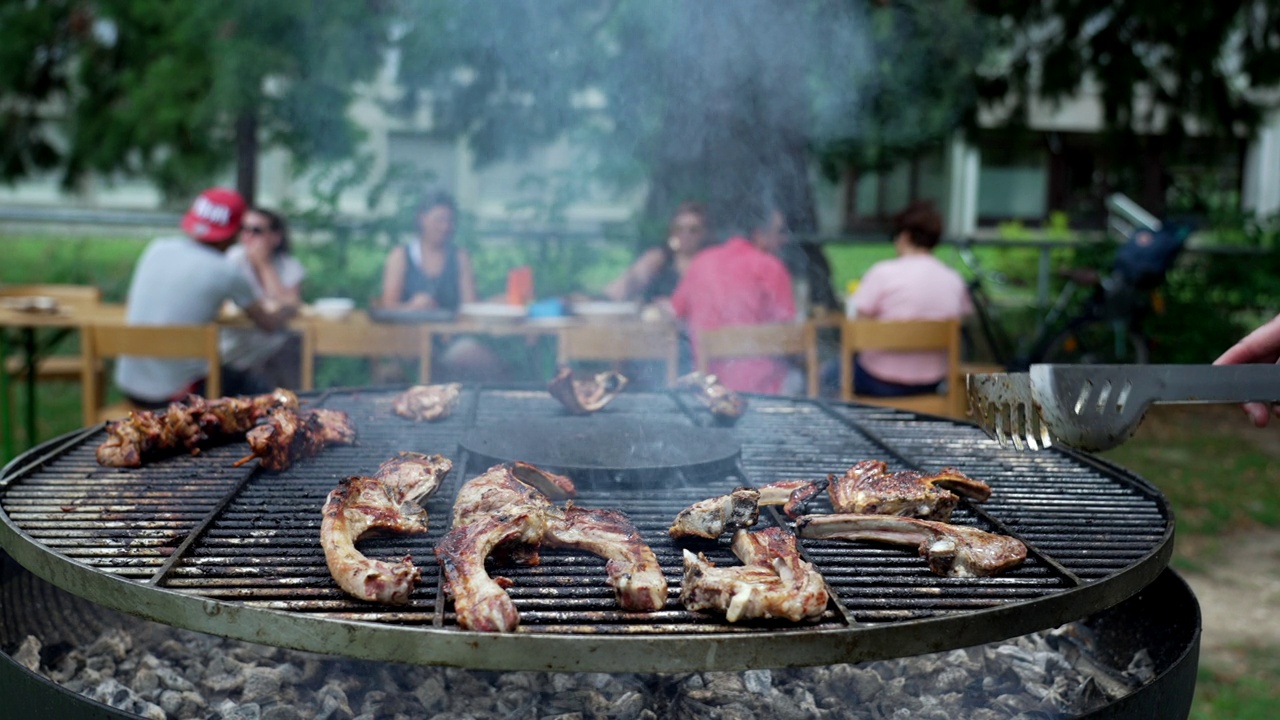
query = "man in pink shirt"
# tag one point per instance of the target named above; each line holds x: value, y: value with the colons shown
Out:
x: 741, y: 282
x: 913, y: 286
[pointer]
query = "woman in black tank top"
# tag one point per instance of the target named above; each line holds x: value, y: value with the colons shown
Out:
x: 429, y: 272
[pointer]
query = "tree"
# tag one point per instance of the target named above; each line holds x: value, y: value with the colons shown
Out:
x: 178, y: 91
x: 1163, y: 70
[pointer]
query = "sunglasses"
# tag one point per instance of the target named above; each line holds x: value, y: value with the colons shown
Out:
x: 255, y: 229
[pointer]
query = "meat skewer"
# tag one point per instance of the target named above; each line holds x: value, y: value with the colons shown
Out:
x: 387, y: 501
x: 189, y: 425
x: 951, y: 550
x: 869, y: 488
x: 773, y: 581
x: 289, y: 435
x: 509, y: 508
x: 583, y: 397
x: 715, y: 516
x: 427, y: 403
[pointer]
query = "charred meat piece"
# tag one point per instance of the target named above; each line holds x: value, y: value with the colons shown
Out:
x: 772, y: 582
x: 951, y: 550
x: 189, y: 425
x: 388, y: 502
x: 720, y: 400
x: 632, y: 568
x: 427, y: 402
x: 508, y: 510
x: 869, y: 488
x: 583, y: 397
x: 712, y: 517
x: 289, y: 435
x: 715, y: 516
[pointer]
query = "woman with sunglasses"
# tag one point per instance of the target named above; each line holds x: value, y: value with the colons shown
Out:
x: 263, y: 256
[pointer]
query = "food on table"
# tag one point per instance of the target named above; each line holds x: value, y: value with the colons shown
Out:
x: 509, y: 508
x: 189, y: 425
x: 583, y: 397
x: 720, y: 400
x: 715, y: 516
x: 427, y: 402
x: 772, y: 582
x: 868, y: 487
x: 387, y: 501
x: 951, y: 550
x: 289, y: 435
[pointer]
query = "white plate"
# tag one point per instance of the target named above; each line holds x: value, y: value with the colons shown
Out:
x: 333, y: 308
x: 493, y: 311
x: 606, y: 308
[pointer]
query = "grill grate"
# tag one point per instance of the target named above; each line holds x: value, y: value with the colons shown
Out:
x: 193, y: 528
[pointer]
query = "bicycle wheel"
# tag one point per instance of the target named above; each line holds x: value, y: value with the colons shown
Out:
x: 1097, y: 342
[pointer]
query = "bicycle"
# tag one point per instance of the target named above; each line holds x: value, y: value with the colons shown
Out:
x: 1095, y: 318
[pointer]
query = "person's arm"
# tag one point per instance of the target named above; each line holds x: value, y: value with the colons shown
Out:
x: 1260, y: 346
x: 466, y: 278
x: 274, y: 289
x: 866, y: 299
x: 781, y: 296
x: 636, y: 277
x: 393, y: 273
x: 270, y: 319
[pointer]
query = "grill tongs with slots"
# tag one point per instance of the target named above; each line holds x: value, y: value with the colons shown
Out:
x: 1097, y: 407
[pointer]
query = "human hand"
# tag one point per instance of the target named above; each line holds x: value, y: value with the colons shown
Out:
x: 1260, y: 346
x: 421, y: 301
x: 257, y: 250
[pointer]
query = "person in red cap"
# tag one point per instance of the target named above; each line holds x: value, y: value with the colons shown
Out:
x: 184, y: 280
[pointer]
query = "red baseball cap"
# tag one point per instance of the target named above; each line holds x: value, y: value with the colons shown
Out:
x: 214, y: 216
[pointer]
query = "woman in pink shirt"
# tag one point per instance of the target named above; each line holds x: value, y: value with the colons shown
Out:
x: 915, y: 285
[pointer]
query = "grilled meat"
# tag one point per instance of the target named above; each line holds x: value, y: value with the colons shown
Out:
x: 388, y: 501
x: 720, y: 400
x: 712, y: 517
x: 773, y: 581
x: 951, y: 550
x: 188, y: 425
x: 289, y: 435
x: 632, y: 568
x: 427, y: 402
x: 715, y: 516
x: 583, y: 397
x: 508, y: 509
x: 869, y: 488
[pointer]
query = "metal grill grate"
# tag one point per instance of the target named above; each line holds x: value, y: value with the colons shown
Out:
x: 235, y: 550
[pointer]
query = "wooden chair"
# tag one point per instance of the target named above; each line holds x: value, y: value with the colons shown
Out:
x: 357, y: 338
x: 768, y: 340
x: 51, y: 367
x: 171, y: 342
x: 622, y: 343
x: 905, y: 336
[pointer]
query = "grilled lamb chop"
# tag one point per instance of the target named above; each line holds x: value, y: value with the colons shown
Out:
x: 720, y: 400
x: 712, y: 517
x: 509, y: 508
x: 773, y: 581
x: 289, y: 435
x: 583, y: 397
x: 189, y: 425
x: 427, y: 402
x: 388, y: 501
x: 869, y: 488
x: 951, y: 550
x: 715, y: 516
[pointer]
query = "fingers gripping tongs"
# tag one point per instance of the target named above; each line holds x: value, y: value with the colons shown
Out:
x: 1097, y: 407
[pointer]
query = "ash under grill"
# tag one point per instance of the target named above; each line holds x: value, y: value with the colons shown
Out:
x: 197, y: 543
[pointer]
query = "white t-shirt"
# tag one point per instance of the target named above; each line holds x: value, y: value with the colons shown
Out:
x: 245, y: 347
x: 177, y: 281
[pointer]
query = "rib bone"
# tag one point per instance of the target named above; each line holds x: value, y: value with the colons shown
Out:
x: 951, y: 550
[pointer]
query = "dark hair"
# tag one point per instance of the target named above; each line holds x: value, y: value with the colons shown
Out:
x: 436, y: 198
x: 922, y: 223
x: 689, y: 207
x: 278, y: 225
x: 756, y: 212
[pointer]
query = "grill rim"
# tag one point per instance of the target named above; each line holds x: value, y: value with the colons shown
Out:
x: 543, y: 651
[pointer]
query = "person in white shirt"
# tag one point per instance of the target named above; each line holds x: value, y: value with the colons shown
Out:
x: 184, y: 280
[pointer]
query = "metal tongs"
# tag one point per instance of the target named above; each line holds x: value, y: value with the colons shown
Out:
x: 1097, y: 407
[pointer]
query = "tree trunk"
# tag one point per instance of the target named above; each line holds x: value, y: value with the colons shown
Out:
x: 247, y: 156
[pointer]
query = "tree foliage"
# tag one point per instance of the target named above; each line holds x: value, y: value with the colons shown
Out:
x: 158, y: 89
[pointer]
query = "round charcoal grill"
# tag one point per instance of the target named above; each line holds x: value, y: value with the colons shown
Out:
x: 194, y: 542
